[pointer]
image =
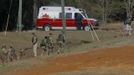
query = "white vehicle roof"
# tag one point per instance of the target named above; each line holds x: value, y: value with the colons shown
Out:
x: 57, y: 8
x: 53, y: 11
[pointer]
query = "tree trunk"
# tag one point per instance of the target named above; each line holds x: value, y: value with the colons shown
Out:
x: 129, y: 7
x: 34, y: 12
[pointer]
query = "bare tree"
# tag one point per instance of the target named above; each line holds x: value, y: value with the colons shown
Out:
x: 34, y: 11
x: 79, y: 3
x: 106, y: 6
x: 129, y: 4
x: 19, y: 26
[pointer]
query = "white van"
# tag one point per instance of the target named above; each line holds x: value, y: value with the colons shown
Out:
x: 50, y: 17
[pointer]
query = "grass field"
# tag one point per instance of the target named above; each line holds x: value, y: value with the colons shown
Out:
x: 78, y: 42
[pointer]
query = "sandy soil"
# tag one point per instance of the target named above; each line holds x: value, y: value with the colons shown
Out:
x: 109, y: 57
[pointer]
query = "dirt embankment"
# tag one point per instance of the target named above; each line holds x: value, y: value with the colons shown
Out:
x: 110, y: 57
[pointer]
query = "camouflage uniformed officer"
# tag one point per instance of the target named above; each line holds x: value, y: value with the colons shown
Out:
x: 12, y: 54
x: 34, y: 44
x: 21, y: 53
x: 4, y: 54
x: 47, y: 44
x: 61, y: 41
x: 61, y: 38
x: 50, y: 42
x: 44, y: 44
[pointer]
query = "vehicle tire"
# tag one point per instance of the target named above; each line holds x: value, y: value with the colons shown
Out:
x: 87, y: 28
x: 47, y: 27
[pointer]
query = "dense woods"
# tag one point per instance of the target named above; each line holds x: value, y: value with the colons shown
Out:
x: 110, y: 10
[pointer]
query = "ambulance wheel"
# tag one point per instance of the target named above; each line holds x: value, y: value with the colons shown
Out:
x: 47, y: 28
x: 87, y: 28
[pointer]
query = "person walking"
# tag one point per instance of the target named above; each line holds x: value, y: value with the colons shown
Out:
x: 128, y: 27
x: 78, y: 19
x: 34, y: 44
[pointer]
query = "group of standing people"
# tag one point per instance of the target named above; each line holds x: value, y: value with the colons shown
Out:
x: 47, y: 44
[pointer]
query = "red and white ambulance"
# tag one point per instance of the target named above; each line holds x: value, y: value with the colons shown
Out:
x: 50, y: 17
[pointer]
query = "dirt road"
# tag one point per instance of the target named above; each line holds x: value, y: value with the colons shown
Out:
x: 110, y: 57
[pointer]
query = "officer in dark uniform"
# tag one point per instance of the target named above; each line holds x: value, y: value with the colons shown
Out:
x: 78, y: 19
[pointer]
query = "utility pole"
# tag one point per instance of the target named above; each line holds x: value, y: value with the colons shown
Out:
x: 63, y: 16
x: 19, y: 25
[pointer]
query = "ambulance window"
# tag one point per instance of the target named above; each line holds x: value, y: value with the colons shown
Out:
x: 68, y: 15
x: 60, y: 15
